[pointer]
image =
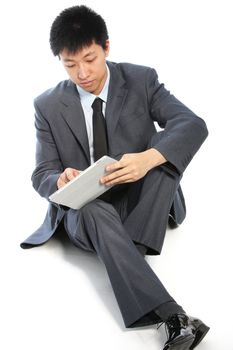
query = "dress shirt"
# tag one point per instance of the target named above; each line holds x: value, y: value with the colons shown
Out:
x: 86, y: 99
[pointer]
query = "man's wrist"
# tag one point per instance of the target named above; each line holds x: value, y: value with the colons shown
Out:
x: 155, y: 158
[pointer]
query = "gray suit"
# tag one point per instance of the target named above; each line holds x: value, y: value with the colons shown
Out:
x: 135, y: 101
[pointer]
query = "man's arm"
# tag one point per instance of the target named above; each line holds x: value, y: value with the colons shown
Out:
x: 183, y: 134
x: 48, y: 165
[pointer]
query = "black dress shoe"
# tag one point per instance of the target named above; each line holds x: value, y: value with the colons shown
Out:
x: 199, y: 330
x: 184, y: 332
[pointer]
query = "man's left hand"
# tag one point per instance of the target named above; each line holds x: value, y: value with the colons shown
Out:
x: 132, y: 167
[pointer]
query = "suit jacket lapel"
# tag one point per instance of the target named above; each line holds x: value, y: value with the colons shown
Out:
x: 117, y: 93
x: 73, y: 114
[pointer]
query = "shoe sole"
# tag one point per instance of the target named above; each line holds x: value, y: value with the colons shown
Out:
x: 201, y: 332
x: 181, y: 345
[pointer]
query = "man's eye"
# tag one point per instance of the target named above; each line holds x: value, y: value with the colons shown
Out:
x: 71, y: 66
x: 91, y: 60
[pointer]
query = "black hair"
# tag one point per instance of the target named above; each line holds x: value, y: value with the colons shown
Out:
x: 75, y: 28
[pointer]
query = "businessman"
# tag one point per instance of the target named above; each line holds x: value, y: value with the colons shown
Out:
x: 113, y: 108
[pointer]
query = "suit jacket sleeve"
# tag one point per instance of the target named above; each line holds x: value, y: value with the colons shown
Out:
x: 48, y: 164
x: 184, y: 132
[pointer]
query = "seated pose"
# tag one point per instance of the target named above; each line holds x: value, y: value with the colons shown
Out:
x: 108, y: 108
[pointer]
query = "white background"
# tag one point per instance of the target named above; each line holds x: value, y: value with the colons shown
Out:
x: 59, y: 297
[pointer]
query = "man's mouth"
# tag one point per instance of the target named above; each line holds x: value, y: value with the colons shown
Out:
x: 86, y: 83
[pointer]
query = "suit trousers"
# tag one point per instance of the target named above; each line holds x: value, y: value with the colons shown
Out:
x: 137, y: 212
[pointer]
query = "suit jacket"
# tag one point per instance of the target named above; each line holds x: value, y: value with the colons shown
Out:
x: 136, y: 100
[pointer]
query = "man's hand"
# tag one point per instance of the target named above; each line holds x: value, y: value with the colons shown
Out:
x: 132, y: 167
x: 67, y: 175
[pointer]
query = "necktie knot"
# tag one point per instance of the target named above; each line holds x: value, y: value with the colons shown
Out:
x: 97, y: 105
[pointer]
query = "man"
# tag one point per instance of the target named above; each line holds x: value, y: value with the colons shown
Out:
x: 109, y: 108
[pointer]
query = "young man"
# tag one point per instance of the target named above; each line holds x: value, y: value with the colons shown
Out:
x: 109, y: 108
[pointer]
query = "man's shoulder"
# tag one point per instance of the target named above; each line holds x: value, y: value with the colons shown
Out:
x: 133, y: 73
x: 53, y: 93
x: 130, y: 69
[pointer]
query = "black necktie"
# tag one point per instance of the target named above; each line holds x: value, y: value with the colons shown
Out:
x: 100, y: 139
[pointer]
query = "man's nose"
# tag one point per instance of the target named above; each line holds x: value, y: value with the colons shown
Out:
x: 82, y: 73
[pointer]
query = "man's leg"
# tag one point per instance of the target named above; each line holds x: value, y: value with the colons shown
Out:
x: 98, y: 228
x: 150, y: 201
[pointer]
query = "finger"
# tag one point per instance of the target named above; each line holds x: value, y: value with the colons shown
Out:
x: 63, y: 177
x: 114, y: 166
x: 120, y: 180
x: 69, y: 174
x: 76, y: 172
x: 60, y: 183
x: 114, y: 175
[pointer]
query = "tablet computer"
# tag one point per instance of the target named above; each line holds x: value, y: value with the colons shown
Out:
x: 85, y: 187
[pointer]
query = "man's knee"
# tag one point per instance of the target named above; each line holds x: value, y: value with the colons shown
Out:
x: 94, y: 208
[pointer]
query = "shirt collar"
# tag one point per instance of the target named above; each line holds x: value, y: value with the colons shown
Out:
x: 87, y: 98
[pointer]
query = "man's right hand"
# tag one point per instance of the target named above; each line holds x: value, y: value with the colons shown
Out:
x: 67, y: 175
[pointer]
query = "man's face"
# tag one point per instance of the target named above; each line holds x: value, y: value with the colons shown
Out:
x: 87, y: 67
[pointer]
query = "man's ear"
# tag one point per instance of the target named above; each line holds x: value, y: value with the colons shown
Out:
x: 107, y: 48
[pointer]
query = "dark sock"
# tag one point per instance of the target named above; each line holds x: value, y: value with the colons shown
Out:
x: 166, y: 310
